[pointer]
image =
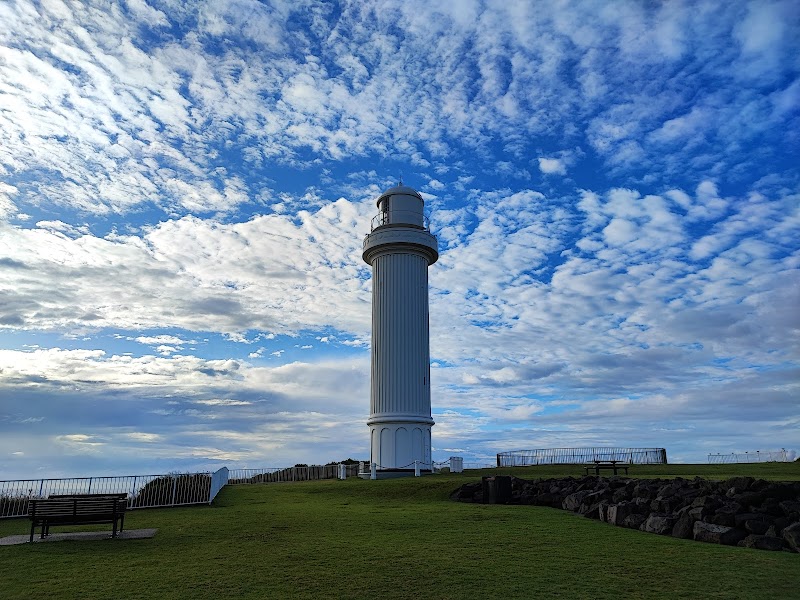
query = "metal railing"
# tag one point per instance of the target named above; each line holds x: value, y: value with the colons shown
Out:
x: 399, y: 217
x: 143, y: 491
x: 749, y: 457
x: 478, y: 465
x: 567, y: 456
x: 289, y: 474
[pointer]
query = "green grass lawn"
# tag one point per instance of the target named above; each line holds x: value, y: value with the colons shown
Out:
x: 395, y: 539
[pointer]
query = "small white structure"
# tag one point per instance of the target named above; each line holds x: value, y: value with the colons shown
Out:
x: 456, y: 464
x: 400, y: 248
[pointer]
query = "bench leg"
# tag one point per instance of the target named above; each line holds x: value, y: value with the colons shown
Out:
x: 33, y: 528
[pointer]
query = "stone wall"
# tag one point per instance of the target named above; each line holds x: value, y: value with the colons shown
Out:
x: 742, y: 511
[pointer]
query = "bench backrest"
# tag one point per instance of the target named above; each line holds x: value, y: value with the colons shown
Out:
x: 77, y: 506
x: 117, y: 495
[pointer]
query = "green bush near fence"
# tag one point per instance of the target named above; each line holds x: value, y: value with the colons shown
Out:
x: 396, y: 539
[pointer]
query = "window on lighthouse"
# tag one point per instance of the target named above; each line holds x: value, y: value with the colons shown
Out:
x: 385, y: 212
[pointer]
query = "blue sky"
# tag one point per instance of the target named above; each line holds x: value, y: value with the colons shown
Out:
x: 184, y: 189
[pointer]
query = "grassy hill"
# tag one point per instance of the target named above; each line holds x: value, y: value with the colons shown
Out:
x: 395, y: 539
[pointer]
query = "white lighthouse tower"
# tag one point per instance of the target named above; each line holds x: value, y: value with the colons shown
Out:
x: 400, y: 248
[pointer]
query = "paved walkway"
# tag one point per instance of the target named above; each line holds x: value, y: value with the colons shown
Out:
x: 130, y: 534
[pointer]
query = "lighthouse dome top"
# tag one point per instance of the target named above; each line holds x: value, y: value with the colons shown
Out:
x: 399, y: 190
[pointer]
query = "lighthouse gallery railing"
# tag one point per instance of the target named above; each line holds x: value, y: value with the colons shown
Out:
x: 399, y: 217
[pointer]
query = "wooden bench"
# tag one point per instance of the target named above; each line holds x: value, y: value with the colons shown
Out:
x: 77, y: 510
x: 610, y: 465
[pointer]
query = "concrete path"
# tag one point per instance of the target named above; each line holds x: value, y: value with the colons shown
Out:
x: 130, y: 534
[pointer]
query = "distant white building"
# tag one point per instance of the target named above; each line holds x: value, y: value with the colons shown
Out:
x: 400, y: 248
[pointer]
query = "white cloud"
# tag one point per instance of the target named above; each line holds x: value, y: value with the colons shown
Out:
x: 223, y: 402
x: 550, y: 166
x: 65, y: 228
x: 620, y: 232
x: 80, y: 442
x: 189, y: 409
x: 141, y: 436
x: 7, y: 206
x: 154, y: 340
x: 94, y: 116
x: 251, y: 275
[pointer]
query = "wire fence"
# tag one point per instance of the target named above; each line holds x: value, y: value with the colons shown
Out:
x: 568, y: 456
x: 750, y: 457
x: 478, y: 465
x: 288, y: 474
x: 142, y: 491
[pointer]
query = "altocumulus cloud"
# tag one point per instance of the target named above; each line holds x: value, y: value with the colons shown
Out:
x: 184, y: 188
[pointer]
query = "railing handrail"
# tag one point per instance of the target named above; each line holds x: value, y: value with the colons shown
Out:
x: 93, y: 477
x: 539, y: 456
x: 749, y: 457
x: 285, y: 474
x: 142, y: 491
x: 393, y: 216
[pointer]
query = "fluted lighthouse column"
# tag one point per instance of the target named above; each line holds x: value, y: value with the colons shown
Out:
x: 400, y: 248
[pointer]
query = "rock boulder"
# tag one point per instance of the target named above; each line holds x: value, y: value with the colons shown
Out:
x: 661, y: 524
x: 749, y: 512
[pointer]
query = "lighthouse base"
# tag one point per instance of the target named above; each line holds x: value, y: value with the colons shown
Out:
x: 397, y: 446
